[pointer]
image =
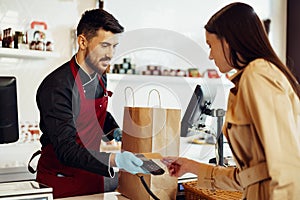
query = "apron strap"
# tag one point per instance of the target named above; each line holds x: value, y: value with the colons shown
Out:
x: 79, y: 83
x: 106, y: 92
x: 30, y: 169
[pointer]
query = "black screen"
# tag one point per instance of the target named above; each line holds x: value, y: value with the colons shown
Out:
x: 9, y: 124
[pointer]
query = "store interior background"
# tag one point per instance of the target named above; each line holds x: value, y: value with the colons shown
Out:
x: 61, y: 16
x: 184, y: 18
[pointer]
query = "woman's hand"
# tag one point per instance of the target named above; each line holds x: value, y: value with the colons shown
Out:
x: 177, y: 166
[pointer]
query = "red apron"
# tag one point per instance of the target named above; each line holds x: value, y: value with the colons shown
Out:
x: 68, y: 181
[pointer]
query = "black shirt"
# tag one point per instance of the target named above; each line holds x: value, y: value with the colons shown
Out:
x: 58, y: 101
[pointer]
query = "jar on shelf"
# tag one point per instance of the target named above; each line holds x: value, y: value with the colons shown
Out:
x: 49, y: 46
x: 40, y: 45
x: 32, y: 45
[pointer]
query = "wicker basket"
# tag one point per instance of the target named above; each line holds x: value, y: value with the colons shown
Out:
x: 193, y: 193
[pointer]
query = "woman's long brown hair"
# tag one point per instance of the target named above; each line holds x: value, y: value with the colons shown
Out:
x: 240, y: 26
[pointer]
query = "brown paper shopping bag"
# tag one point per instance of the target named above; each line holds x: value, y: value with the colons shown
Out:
x: 150, y: 130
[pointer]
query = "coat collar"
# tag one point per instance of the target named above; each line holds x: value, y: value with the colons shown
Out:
x: 235, y: 79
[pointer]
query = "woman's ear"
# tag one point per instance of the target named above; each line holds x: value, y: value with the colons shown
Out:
x: 82, y: 42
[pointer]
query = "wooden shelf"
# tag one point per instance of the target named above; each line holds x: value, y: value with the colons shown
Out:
x: 27, y: 54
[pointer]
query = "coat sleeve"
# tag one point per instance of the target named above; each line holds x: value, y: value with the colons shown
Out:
x: 218, y: 177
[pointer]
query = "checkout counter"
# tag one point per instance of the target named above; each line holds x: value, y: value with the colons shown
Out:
x: 103, y: 196
x: 28, y: 188
x: 31, y: 190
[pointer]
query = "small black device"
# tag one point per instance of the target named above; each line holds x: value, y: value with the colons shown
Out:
x: 150, y: 166
x: 9, y: 124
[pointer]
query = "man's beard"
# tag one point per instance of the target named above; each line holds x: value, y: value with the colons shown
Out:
x: 97, y: 65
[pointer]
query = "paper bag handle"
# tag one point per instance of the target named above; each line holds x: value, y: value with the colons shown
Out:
x: 158, y: 94
x: 133, y: 102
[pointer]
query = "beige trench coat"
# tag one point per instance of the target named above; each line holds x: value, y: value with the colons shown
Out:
x: 262, y: 126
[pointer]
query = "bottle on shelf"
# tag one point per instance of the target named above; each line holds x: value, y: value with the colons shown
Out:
x: 10, y: 38
x: 4, y: 40
x: 1, y: 38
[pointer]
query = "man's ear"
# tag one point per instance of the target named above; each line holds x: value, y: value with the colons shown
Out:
x: 82, y: 42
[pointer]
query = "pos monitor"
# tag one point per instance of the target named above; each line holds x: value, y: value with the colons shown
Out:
x: 194, y: 116
x: 9, y: 124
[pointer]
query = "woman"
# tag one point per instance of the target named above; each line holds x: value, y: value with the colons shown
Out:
x: 263, y: 116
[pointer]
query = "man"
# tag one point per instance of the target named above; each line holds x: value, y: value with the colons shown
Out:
x: 72, y: 101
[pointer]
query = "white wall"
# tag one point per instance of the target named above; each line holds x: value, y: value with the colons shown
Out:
x: 187, y: 18
x: 178, y: 26
x: 61, y: 16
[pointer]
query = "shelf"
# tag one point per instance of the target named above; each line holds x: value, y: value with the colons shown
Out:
x: 27, y: 54
x: 170, y: 79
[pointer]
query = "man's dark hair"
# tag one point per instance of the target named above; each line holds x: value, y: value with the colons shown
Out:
x: 93, y: 20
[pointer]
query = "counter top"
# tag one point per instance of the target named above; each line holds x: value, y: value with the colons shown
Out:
x: 102, y: 196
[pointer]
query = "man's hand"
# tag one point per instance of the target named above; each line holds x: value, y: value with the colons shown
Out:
x: 118, y: 135
x: 129, y: 162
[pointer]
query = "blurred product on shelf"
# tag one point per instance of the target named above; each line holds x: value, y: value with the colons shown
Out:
x: 193, y: 72
x: 19, y: 39
x: 13, y: 39
x: 212, y: 73
x: 49, y: 46
x: 29, y: 132
x: 8, y: 39
x: 180, y: 72
x: 126, y: 67
x: 152, y: 70
x: 166, y: 72
x: 38, y: 38
x: 40, y: 45
x: 32, y: 45
x: 146, y: 72
x: 172, y: 72
x: 37, y: 33
x: 34, y: 38
x: 159, y: 71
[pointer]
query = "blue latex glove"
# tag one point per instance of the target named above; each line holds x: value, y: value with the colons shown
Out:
x: 118, y: 135
x: 129, y: 162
